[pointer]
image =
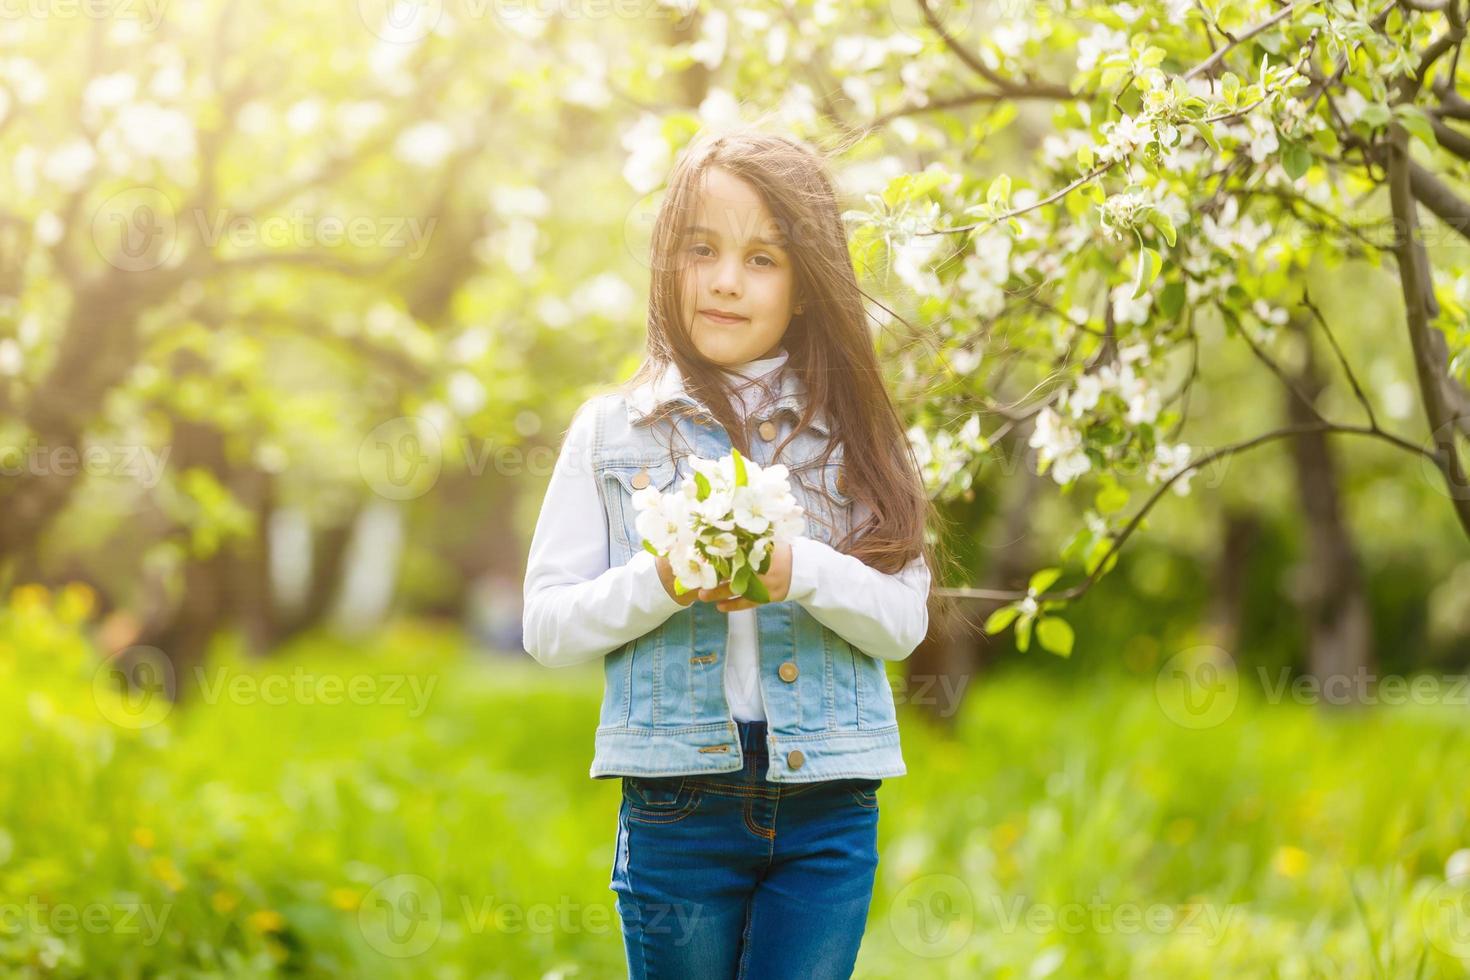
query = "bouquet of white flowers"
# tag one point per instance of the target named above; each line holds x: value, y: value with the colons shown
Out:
x: 721, y: 524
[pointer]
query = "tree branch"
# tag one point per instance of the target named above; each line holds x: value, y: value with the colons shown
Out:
x: 1239, y: 39
x: 1437, y: 196
x: 1341, y: 358
x: 1414, y: 278
x: 1076, y: 591
x: 1011, y: 88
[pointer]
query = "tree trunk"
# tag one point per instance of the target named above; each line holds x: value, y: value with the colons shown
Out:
x: 1332, y: 598
x: 945, y: 664
x: 1223, y: 622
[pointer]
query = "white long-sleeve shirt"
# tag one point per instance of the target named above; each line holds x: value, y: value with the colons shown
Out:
x: 577, y: 608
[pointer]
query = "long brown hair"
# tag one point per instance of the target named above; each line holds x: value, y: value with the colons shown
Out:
x: 829, y: 345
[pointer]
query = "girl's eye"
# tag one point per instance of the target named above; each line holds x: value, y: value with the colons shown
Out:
x: 769, y: 261
x: 696, y: 250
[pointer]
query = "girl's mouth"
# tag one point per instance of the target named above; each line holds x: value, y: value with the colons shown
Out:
x: 722, y: 317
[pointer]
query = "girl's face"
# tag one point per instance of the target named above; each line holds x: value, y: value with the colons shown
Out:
x: 734, y: 262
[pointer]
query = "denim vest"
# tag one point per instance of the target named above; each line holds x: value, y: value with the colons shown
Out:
x: 829, y: 707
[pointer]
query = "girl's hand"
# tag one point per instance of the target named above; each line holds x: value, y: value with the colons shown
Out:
x: 666, y: 576
x: 777, y: 581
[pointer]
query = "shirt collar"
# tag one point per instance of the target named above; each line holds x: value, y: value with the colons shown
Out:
x: 668, y: 386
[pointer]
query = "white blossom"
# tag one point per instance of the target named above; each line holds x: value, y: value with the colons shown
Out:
x: 1169, y: 460
x: 1060, y: 445
x: 648, y: 154
x: 708, y: 540
x: 1126, y: 309
x: 709, y: 50
x: 1101, y: 41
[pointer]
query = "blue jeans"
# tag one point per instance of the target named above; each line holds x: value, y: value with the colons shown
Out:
x: 729, y: 875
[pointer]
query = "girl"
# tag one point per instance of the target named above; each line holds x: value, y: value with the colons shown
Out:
x: 750, y: 740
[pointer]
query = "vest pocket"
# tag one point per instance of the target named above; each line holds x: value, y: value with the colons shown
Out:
x: 620, y: 479
x: 823, y: 494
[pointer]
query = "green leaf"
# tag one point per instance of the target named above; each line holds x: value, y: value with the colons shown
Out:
x: 1023, y: 632
x: 1149, y: 264
x: 1208, y: 132
x: 1414, y: 119
x: 702, y: 483
x: 1171, y: 300
x: 1229, y: 88
x: 1164, y: 223
x: 757, y: 591
x: 741, y: 582
x: 1043, y: 579
x: 999, y: 192
x: 1375, y: 114
x: 739, y: 467
x: 1084, y: 156
x: 1296, y: 159
x: 1001, y: 618
x: 1055, y: 635
x: 1095, y: 555
x: 1111, y: 499
x: 649, y: 547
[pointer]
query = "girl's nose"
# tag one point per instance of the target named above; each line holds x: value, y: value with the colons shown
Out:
x: 727, y: 279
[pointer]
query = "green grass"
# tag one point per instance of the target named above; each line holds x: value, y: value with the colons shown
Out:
x: 1063, y: 831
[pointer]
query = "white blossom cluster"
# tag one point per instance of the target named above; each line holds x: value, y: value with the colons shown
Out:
x: 727, y: 516
x: 1058, y: 436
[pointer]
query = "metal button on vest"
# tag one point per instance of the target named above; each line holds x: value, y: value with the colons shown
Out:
x: 768, y: 430
x: 640, y: 479
x: 788, y: 671
x: 842, y: 481
x: 794, y: 758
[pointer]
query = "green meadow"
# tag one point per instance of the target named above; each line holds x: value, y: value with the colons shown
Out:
x: 403, y: 807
